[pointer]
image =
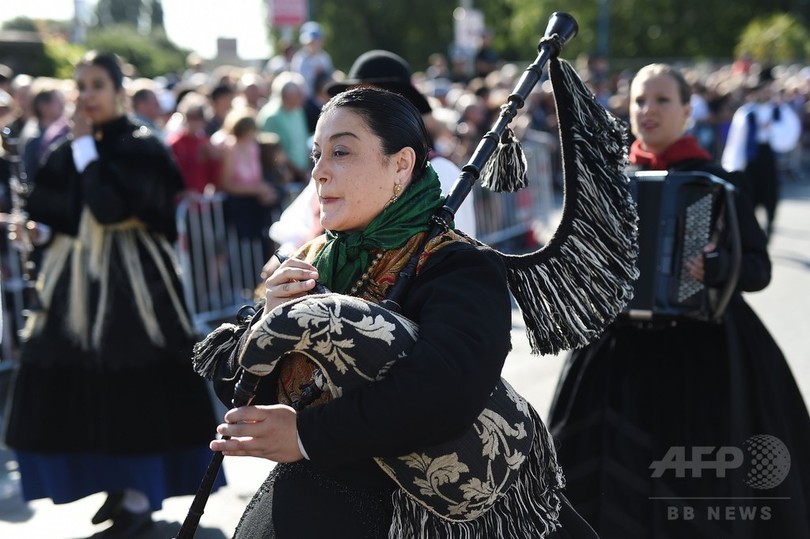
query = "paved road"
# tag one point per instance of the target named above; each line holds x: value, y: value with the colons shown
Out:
x: 784, y: 307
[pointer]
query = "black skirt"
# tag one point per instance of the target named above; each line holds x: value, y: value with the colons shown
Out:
x: 298, y: 501
x: 697, y: 430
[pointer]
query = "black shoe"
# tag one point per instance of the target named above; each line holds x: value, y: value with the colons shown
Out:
x: 110, y: 507
x: 128, y: 524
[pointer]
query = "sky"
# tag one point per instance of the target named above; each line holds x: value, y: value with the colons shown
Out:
x: 191, y: 24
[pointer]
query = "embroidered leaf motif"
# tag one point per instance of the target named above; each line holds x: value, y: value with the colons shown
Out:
x: 322, y: 323
x: 479, y: 495
x: 446, y: 469
x: 442, y: 470
x: 515, y: 460
x: 462, y: 509
x: 489, y: 438
x: 337, y: 352
x: 317, y: 314
x: 376, y: 328
x: 521, y: 403
x: 415, y: 460
x: 475, y: 489
x: 425, y: 488
x: 495, y: 430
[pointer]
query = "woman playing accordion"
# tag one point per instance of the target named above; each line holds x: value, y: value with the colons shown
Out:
x: 634, y: 408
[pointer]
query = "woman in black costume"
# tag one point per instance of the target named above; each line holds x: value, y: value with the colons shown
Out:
x: 105, y: 399
x: 642, y: 416
x: 377, y: 193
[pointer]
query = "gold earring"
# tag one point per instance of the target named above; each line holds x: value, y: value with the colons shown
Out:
x: 397, y: 192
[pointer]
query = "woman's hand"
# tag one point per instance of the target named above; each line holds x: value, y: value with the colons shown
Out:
x: 80, y: 124
x: 268, y: 432
x: 292, y: 279
x: 695, y: 264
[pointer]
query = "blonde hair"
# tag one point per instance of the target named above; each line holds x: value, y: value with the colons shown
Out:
x: 654, y: 70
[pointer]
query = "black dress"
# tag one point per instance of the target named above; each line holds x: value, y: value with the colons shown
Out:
x: 688, y: 429
x: 105, y: 397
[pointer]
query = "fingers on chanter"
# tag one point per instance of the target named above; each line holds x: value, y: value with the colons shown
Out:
x: 293, y: 273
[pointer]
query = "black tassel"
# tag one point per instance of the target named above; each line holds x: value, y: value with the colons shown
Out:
x: 505, y: 170
x: 220, y: 343
x: 571, y: 289
x: 216, y: 347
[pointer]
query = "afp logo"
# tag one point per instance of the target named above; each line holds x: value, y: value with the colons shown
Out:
x: 767, y: 465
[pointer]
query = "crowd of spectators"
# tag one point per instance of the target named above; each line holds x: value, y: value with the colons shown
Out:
x: 286, y: 93
x: 200, y: 112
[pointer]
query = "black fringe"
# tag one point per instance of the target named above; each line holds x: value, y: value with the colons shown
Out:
x: 506, y: 169
x: 571, y: 289
x: 530, y: 508
x: 216, y: 346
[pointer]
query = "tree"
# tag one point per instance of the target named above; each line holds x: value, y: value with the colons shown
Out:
x: 21, y: 24
x: 779, y: 38
x: 112, y: 12
x: 151, y: 55
x: 355, y: 26
x: 145, y: 46
x: 156, y: 15
x: 638, y: 29
x: 134, y: 30
x: 146, y: 15
x: 61, y: 56
x: 40, y: 48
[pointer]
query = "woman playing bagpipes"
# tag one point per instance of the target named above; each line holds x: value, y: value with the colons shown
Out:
x: 415, y: 433
x: 377, y: 195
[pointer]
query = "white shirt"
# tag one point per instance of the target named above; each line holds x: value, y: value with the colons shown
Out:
x: 782, y: 135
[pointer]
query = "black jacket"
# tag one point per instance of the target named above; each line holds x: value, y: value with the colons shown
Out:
x: 134, y: 176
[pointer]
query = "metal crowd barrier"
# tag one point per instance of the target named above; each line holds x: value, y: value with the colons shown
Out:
x: 219, y: 269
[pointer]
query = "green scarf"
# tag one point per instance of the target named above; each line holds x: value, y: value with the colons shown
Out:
x: 345, y: 256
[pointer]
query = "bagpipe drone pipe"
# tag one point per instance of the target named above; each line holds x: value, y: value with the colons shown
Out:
x: 568, y: 292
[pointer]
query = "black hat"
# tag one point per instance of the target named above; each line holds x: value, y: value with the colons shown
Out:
x: 385, y: 70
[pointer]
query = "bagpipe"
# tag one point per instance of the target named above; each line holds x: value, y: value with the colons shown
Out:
x: 679, y: 214
x: 568, y: 292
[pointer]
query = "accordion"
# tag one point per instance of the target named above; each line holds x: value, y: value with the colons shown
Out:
x: 679, y: 213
